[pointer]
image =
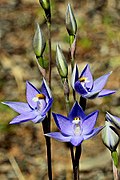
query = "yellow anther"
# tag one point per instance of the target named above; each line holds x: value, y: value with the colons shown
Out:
x: 76, y: 118
x: 40, y: 96
x: 82, y: 79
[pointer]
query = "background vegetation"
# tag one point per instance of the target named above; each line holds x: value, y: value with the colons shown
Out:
x: 22, y: 151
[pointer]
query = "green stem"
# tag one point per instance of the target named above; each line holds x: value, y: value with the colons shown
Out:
x: 72, y: 42
x: 115, y: 158
x: 50, y: 52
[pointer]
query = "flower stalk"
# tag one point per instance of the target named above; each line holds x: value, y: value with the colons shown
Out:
x: 46, y: 129
x: 71, y: 26
x: 114, y: 156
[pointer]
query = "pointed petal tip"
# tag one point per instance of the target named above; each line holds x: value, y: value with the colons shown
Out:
x: 3, y: 102
x: 11, y: 123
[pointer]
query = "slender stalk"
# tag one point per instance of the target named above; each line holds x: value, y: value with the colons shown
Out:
x: 50, y: 52
x: 72, y: 42
x: 115, y: 172
x: 48, y: 123
x: 72, y: 158
x: 76, y: 162
x: 83, y: 103
x: 66, y: 94
x: 46, y: 129
x: 42, y: 71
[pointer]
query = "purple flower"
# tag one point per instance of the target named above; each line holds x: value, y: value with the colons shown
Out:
x: 38, y: 104
x: 75, y: 128
x: 86, y: 86
x: 113, y: 119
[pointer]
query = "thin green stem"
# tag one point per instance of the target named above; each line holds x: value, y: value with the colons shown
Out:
x: 50, y: 52
x: 72, y: 42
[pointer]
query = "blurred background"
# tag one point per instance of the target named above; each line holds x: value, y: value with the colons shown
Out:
x: 22, y: 147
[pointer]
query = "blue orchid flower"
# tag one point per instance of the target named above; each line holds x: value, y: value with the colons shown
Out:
x: 86, y: 86
x: 113, y: 119
x: 38, y: 104
x: 75, y: 128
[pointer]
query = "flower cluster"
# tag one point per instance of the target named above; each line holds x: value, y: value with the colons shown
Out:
x: 75, y: 128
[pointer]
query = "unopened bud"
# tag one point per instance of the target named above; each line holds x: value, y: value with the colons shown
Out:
x: 110, y: 136
x: 61, y: 62
x: 46, y: 6
x: 71, y: 24
x: 38, y: 42
x: 113, y: 119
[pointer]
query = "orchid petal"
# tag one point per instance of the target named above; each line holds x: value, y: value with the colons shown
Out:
x: 46, y: 90
x: 79, y: 88
x: 75, y: 76
x: 100, y: 82
x: 38, y: 119
x: 31, y: 92
x: 106, y: 92
x: 89, y: 122
x: 58, y: 136
x: 87, y: 74
x: 76, y: 140
x: 76, y: 111
x: 64, y: 124
x: 47, y: 108
x: 93, y: 133
x: 91, y: 95
x: 113, y: 119
x: 24, y: 117
x: 19, y: 107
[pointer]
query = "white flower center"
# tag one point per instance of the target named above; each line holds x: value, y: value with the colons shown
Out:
x: 40, y: 100
x: 77, y: 128
x: 38, y: 97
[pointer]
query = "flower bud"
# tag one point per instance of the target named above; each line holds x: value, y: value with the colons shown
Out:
x: 110, y: 136
x: 38, y: 42
x: 113, y: 119
x: 46, y: 6
x: 61, y: 62
x: 71, y: 24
